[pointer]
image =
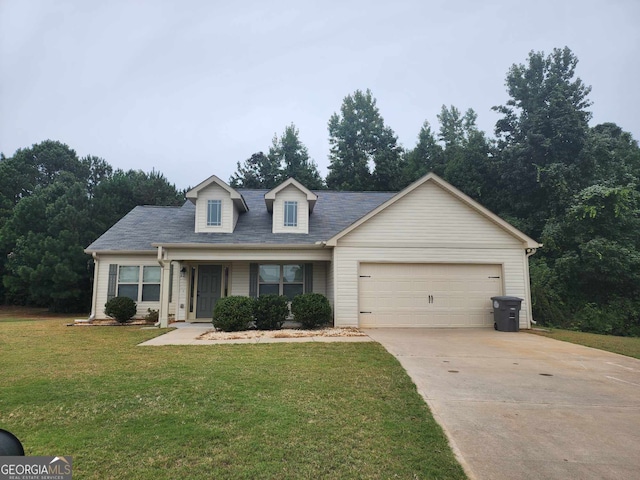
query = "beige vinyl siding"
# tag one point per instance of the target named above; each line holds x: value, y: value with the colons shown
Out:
x: 320, y: 278
x: 429, y: 216
x: 428, y: 225
x: 215, y: 192
x: 239, y: 281
x: 290, y: 194
x: 103, y: 281
x: 347, y: 262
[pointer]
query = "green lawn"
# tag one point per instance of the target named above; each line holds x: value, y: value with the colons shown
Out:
x: 629, y: 346
x: 297, y: 410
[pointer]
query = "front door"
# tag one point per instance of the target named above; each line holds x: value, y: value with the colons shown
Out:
x: 209, y: 287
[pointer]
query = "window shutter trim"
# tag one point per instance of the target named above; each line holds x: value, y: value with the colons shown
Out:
x: 253, y: 280
x: 113, y: 280
x: 308, y: 278
x: 170, y: 282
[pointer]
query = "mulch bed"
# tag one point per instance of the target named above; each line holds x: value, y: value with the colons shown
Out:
x: 284, y: 333
x: 112, y: 323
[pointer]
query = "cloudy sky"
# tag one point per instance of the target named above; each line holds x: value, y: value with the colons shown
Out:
x: 191, y: 87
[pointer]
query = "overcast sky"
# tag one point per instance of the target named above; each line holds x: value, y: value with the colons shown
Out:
x: 190, y: 87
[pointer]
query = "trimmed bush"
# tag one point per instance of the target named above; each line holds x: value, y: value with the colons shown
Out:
x: 152, y: 316
x: 311, y: 310
x: 232, y: 314
x: 120, y: 308
x: 270, y: 312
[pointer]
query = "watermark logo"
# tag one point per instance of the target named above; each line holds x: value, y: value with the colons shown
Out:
x: 36, y: 468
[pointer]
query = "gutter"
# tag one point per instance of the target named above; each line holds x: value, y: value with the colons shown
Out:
x: 240, y: 246
x: 118, y: 252
x: 94, y: 299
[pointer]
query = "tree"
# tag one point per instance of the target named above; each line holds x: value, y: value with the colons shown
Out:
x: 594, y: 251
x: 541, y: 137
x: 116, y: 195
x: 291, y: 154
x: 45, y: 236
x: 615, y: 154
x: 427, y: 156
x: 38, y: 165
x: 52, y: 206
x: 466, y: 152
x: 360, y: 142
x: 258, y: 171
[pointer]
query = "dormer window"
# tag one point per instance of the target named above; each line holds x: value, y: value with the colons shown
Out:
x: 290, y: 204
x: 290, y: 214
x: 214, y: 213
x: 218, y: 206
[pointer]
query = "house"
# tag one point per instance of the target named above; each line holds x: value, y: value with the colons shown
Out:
x: 428, y: 256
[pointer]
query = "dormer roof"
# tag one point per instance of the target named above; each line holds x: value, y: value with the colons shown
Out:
x: 237, y: 198
x: 270, y: 196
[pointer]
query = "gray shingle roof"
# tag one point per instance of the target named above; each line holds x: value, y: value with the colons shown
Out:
x: 146, y: 225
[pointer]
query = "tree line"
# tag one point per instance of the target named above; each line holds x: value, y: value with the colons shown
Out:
x: 573, y: 187
x: 53, y: 205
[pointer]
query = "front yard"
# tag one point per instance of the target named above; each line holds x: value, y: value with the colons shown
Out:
x: 311, y: 410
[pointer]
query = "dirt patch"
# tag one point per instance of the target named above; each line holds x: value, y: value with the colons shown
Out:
x: 285, y: 333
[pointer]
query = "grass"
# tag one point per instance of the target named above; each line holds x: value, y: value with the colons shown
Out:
x: 310, y: 410
x: 629, y: 346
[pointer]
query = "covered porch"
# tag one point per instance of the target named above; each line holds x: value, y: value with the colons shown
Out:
x: 193, y: 279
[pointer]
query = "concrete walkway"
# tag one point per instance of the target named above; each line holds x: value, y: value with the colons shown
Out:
x: 522, y: 406
x: 187, y: 334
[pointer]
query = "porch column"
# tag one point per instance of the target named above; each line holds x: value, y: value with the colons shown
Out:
x: 164, y: 295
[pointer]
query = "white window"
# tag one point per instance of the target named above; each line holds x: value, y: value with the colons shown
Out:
x: 287, y: 280
x: 139, y: 288
x: 214, y: 213
x: 290, y: 214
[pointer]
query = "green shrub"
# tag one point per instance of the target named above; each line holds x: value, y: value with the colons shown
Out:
x: 618, y: 317
x: 311, y: 310
x: 270, y: 311
x: 547, y: 300
x: 232, y: 314
x: 120, y: 308
x: 152, y: 315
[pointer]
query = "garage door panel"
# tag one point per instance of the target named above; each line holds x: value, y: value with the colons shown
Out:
x: 427, y: 295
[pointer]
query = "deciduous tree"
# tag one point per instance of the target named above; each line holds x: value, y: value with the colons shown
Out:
x: 542, y: 135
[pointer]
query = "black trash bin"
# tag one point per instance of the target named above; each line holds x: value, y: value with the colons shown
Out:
x: 506, y: 313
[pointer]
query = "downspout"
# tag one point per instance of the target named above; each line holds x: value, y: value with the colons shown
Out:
x: 160, y: 259
x: 528, y: 253
x: 94, y: 299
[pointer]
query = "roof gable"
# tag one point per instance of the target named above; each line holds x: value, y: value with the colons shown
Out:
x: 238, y: 200
x: 270, y: 196
x: 450, y: 190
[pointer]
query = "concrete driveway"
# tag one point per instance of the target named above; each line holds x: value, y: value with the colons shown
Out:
x: 521, y: 406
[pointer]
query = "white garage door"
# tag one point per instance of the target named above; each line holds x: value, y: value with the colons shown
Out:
x: 427, y: 295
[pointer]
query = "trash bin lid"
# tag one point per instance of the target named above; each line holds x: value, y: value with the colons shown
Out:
x: 506, y: 299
